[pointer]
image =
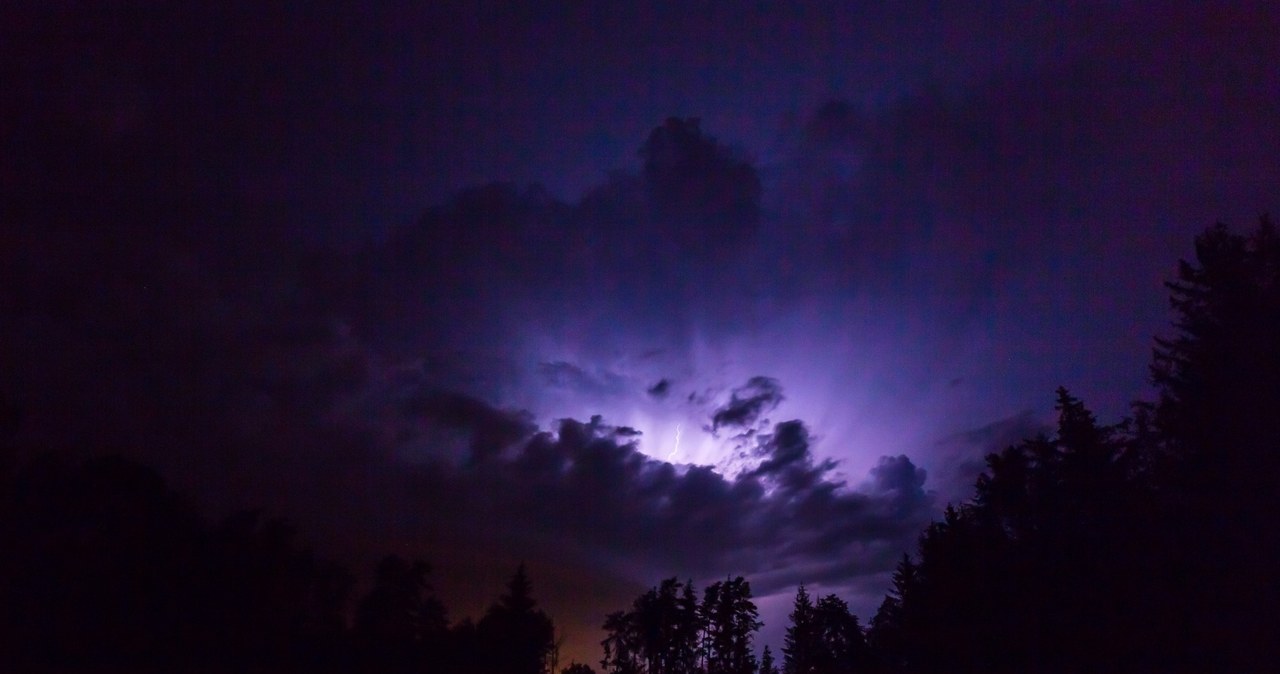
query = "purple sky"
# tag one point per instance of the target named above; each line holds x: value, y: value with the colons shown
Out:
x: 215, y: 257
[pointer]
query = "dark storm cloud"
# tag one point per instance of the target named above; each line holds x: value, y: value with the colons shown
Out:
x: 1102, y: 161
x: 464, y: 262
x: 491, y: 431
x: 703, y: 198
x: 245, y: 378
x: 855, y: 533
x: 747, y: 403
x: 585, y: 487
x: 660, y: 389
x: 788, y: 460
x: 899, y: 480
x: 500, y: 258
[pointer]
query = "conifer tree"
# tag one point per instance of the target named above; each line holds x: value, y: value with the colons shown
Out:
x: 766, y: 662
x: 800, y: 645
x: 516, y: 636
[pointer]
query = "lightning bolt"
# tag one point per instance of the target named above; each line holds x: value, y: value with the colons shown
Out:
x: 675, y: 449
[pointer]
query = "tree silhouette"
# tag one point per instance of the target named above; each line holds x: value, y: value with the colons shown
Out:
x: 1218, y: 375
x: 767, y: 665
x: 577, y: 668
x: 1217, y: 429
x: 662, y: 633
x: 270, y: 599
x: 622, y: 647
x: 842, y: 647
x: 667, y: 631
x: 801, y: 645
x: 516, y: 636
x: 892, y: 626
x: 399, y: 624
x: 105, y: 567
x: 730, y: 619
x: 1141, y: 546
x: 688, y: 650
x: 1015, y: 577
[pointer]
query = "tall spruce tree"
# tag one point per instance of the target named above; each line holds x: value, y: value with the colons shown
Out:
x: 767, y: 665
x: 800, y: 644
x: 842, y: 647
x: 517, y: 637
x: 1216, y: 420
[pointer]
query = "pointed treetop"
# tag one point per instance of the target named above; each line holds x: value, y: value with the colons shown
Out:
x: 1077, y: 427
x: 767, y: 665
x: 519, y: 596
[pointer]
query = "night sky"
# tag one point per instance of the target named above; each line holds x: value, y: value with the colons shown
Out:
x: 263, y: 250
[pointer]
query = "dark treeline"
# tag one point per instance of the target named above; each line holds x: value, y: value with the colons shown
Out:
x: 669, y: 630
x: 105, y: 569
x: 1143, y: 546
